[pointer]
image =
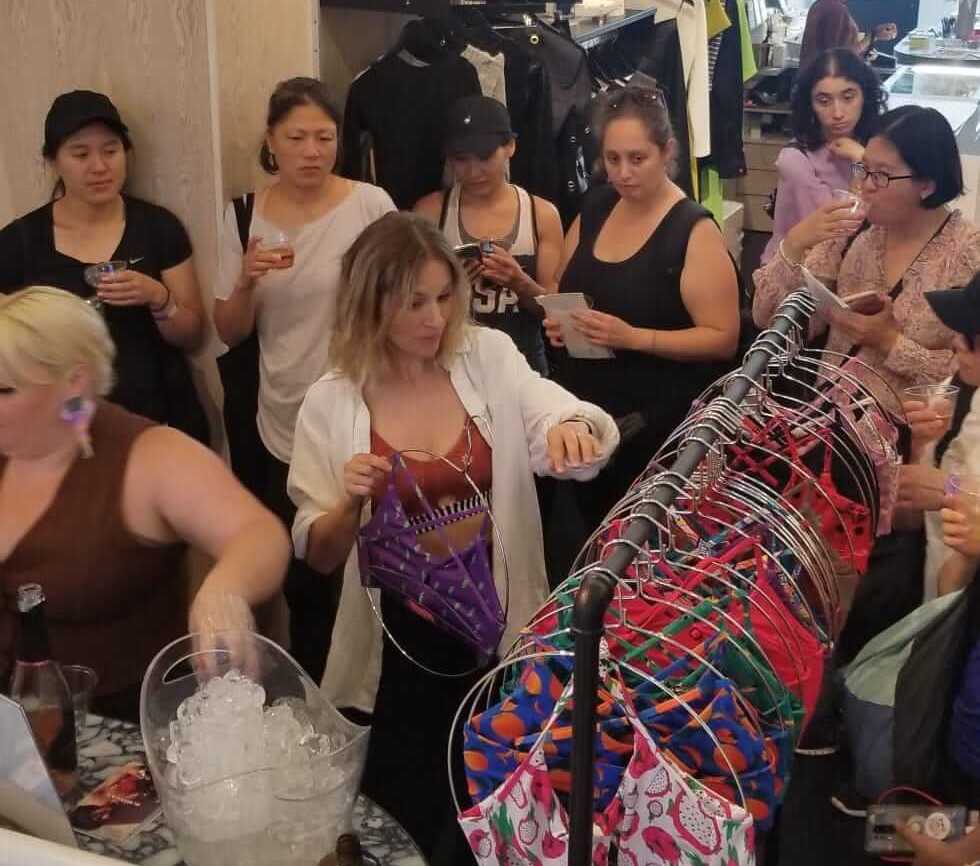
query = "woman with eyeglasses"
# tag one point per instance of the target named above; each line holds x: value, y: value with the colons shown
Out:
x: 663, y: 289
x: 836, y: 103
x: 911, y: 243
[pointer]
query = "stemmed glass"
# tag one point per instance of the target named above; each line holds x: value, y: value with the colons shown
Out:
x: 93, y: 276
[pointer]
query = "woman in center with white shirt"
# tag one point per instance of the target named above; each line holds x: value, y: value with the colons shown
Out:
x: 290, y: 303
x: 411, y: 372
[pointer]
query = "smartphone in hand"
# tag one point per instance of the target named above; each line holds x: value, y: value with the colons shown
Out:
x: 867, y: 303
x: 469, y: 252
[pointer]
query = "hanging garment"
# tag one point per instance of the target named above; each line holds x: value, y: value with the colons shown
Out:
x: 402, y: 101
x: 655, y: 50
x: 534, y: 165
x: 656, y: 805
x: 490, y: 70
x: 456, y: 592
x: 727, y: 100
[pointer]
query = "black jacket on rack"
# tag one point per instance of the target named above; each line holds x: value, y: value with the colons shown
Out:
x: 655, y: 50
x: 402, y: 101
x: 534, y: 165
x: 728, y: 102
x: 567, y: 66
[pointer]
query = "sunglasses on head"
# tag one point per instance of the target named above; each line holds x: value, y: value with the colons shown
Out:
x: 637, y: 94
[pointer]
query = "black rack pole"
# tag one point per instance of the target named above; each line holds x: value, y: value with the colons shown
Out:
x: 596, y: 591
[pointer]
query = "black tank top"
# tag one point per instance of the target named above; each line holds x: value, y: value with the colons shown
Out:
x: 645, y: 291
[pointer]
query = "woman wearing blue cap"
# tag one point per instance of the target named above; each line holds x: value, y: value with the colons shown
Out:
x: 151, y: 300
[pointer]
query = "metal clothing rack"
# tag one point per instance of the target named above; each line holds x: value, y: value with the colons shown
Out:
x: 595, y: 594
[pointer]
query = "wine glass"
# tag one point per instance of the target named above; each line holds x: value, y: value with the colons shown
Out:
x: 93, y: 276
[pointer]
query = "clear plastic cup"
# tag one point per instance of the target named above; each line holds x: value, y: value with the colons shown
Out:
x: 81, y: 681
x: 965, y: 490
x: 855, y: 200
x: 940, y: 398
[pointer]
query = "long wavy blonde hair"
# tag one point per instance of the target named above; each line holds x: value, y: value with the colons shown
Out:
x: 378, y: 275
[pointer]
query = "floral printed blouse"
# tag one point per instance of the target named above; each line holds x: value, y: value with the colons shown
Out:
x: 922, y: 354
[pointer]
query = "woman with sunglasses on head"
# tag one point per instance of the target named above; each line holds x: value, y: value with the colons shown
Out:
x: 524, y: 231
x: 420, y: 448
x: 836, y: 102
x: 910, y: 244
x: 152, y: 304
x: 663, y: 288
x: 283, y: 286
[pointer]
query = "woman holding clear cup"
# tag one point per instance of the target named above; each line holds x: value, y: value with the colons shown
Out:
x: 941, y: 484
x: 131, y: 259
x: 888, y: 261
x: 283, y: 286
x: 836, y: 102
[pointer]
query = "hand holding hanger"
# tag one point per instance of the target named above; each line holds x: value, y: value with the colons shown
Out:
x: 874, y: 330
x: 363, y: 473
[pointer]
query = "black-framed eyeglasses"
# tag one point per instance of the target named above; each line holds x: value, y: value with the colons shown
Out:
x: 881, y: 179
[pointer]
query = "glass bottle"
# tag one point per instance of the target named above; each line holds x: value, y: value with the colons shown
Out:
x: 39, y: 687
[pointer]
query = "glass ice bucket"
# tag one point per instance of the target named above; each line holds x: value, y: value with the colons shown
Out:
x: 260, y: 770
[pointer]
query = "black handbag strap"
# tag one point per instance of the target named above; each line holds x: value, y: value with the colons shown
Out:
x: 243, y: 216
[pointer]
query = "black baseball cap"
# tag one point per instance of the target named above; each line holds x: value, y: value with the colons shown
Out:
x: 76, y: 109
x: 477, y: 125
x: 958, y: 309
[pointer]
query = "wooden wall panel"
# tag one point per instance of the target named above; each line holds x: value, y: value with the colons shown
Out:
x: 259, y: 43
x: 350, y: 39
x: 151, y: 58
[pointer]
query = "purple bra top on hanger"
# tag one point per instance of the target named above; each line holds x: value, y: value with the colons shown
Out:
x: 455, y: 592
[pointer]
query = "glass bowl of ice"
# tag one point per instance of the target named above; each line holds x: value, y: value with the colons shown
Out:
x: 253, y: 764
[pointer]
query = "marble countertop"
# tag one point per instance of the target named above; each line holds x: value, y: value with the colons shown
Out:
x: 108, y: 743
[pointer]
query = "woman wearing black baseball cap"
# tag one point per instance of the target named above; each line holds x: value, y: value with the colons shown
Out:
x: 524, y: 231
x: 151, y: 302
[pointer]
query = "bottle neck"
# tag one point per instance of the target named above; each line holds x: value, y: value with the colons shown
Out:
x: 33, y: 644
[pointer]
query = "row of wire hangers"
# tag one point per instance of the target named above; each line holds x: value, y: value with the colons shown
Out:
x: 812, y: 396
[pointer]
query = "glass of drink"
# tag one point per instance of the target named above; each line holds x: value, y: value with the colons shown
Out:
x: 93, y: 276
x: 280, y: 242
x: 940, y: 398
x: 965, y: 490
x: 846, y: 196
x: 81, y: 681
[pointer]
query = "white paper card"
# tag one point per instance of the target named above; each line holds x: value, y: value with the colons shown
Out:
x: 825, y: 298
x: 560, y: 307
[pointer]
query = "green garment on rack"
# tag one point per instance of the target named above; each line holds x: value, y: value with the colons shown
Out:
x: 749, y: 69
x: 711, y: 196
x: 717, y: 18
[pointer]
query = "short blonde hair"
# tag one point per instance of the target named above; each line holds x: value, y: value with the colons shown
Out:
x: 380, y: 266
x: 46, y: 333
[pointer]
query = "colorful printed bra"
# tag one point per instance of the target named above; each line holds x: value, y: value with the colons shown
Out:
x: 455, y: 592
x: 657, y: 815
